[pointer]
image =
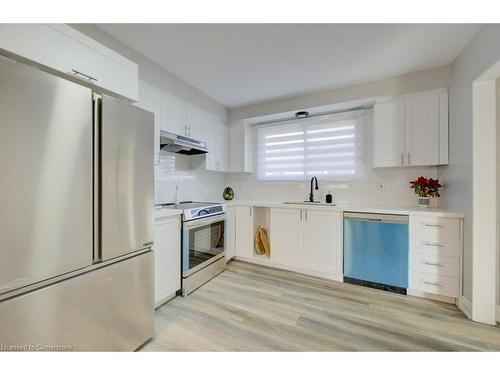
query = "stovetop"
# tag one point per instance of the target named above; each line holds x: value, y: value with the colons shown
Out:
x: 186, y: 205
x: 195, y: 210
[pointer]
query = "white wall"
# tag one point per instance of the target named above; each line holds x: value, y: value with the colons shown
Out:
x: 395, y: 190
x: 407, y: 83
x: 395, y: 180
x: 498, y: 185
x: 188, y: 173
x: 481, y: 53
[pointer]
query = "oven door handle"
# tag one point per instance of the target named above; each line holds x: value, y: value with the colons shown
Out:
x: 196, y: 223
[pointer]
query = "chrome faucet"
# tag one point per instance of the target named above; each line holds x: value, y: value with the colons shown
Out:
x: 311, y: 195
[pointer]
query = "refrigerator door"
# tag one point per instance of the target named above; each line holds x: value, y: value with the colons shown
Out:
x: 126, y: 178
x: 46, y: 172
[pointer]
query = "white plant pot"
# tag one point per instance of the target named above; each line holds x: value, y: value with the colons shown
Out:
x: 424, y: 202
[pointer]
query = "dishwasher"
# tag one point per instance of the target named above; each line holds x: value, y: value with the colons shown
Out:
x: 376, y: 251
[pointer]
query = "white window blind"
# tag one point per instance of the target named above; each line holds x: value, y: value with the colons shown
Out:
x: 331, y: 147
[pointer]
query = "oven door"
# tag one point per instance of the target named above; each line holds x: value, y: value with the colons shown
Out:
x: 202, y: 243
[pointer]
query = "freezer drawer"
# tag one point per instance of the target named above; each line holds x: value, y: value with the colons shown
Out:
x: 46, y: 174
x: 108, y: 309
x: 126, y: 178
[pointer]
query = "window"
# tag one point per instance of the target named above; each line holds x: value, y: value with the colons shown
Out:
x: 331, y: 147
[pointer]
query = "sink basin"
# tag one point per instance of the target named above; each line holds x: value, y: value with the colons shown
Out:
x: 311, y: 203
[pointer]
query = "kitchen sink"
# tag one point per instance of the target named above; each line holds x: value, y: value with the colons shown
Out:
x: 311, y: 203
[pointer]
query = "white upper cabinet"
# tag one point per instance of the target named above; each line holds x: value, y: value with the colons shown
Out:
x: 150, y: 100
x: 217, y: 143
x: 411, y: 130
x: 388, y: 134
x: 72, y: 54
x: 173, y: 114
x: 195, y: 122
x: 422, y: 130
x: 240, y: 147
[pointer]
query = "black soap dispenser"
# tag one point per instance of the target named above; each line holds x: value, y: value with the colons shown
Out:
x: 329, y: 198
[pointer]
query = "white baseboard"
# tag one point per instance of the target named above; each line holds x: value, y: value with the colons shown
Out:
x: 465, y: 305
x: 435, y: 297
x: 497, y: 315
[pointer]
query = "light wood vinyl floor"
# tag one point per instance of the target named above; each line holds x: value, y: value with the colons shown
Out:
x: 254, y: 308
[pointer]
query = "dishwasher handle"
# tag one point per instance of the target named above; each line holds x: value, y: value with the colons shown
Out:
x: 381, y: 218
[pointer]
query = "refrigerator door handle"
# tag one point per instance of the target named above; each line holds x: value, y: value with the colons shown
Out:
x: 96, y: 168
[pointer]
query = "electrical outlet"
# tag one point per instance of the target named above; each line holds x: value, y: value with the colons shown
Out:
x: 380, y: 186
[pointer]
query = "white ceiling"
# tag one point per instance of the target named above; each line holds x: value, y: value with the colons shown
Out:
x: 241, y: 64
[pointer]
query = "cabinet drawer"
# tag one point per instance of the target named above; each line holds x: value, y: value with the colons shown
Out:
x: 429, y: 283
x: 435, y: 264
x: 435, y: 236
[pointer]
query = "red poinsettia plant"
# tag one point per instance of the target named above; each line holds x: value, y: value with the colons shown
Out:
x: 426, y: 187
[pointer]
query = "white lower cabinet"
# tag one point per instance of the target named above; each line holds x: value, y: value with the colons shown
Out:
x: 307, y: 240
x: 167, y: 251
x: 243, y: 221
x: 230, y: 235
x: 287, y: 236
x: 435, y: 257
x: 323, y: 242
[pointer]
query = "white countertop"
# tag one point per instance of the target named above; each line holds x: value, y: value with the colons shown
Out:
x: 165, y: 212
x: 379, y: 209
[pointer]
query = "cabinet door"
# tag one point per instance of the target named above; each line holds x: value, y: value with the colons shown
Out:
x: 222, y: 148
x: 82, y: 59
x: 196, y: 123
x: 422, y: 130
x: 244, y: 231
x: 388, y: 134
x: 286, y: 236
x: 173, y: 114
x: 323, y: 242
x: 167, y: 251
x: 240, y: 148
x: 150, y: 100
x: 210, y: 139
x: 230, y: 233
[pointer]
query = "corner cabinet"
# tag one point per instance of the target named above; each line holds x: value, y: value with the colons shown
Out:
x: 217, y: 143
x: 63, y: 50
x: 240, y: 147
x: 150, y: 100
x: 167, y: 252
x: 411, y: 130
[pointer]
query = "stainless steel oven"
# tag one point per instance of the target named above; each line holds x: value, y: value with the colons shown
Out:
x: 203, y: 250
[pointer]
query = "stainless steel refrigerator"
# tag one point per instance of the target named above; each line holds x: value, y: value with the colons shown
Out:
x: 76, y: 170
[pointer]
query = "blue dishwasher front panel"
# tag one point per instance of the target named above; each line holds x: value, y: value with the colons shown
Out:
x: 376, y: 251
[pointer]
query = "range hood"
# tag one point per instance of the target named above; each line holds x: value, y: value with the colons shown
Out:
x: 180, y: 144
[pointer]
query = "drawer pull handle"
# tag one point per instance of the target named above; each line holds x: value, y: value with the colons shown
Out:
x: 434, y: 284
x: 433, y: 264
x: 434, y: 225
x: 433, y: 244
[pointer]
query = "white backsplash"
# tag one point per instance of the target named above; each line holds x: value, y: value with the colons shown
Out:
x: 195, y: 183
x: 395, y: 188
x: 187, y: 172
